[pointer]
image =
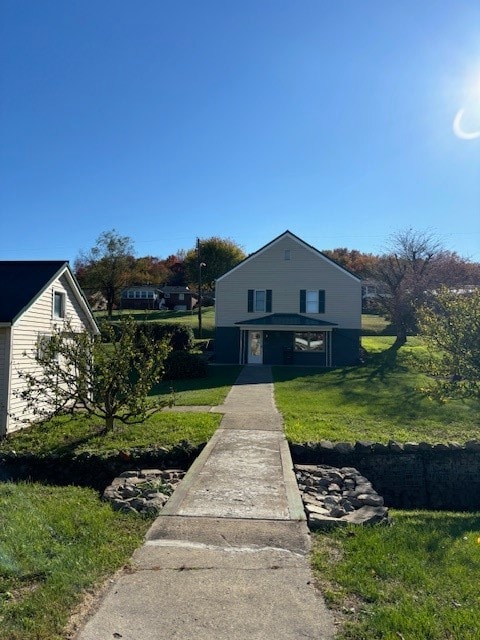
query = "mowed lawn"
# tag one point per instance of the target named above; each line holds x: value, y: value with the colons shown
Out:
x: 55, y: 543
x: 415, y: 580
x: 379, y: 400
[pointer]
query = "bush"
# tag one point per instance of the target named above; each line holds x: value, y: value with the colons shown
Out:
x: 180, y: 337
x: 181, y: 364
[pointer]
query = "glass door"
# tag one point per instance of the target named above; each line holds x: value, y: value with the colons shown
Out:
x: 255, y: 347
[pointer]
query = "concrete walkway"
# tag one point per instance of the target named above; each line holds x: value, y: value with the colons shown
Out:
x: 227, y: 558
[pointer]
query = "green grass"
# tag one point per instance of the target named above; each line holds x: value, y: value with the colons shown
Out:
x: 76, y: 434
x: 415, y: 580
x: 55, y: 542
x: 375, y: 325
x: 378, y: 401
x: 202, y: 391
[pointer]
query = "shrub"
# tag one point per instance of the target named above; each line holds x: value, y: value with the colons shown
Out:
x: 182, y: 364
x: 180, y: 336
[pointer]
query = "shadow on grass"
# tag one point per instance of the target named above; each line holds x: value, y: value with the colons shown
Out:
x: 218, y: 376
x: 59, y: 437
x: 384, y: 363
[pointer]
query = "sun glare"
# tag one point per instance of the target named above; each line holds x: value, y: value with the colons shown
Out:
x: 466, y: 124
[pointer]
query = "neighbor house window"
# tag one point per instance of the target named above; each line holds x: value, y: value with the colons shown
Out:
x: 58, y: 304
x: 43, y: 340
x: 309, y: 341
x: 181, y: 296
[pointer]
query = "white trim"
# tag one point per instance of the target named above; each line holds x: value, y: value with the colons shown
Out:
x: 285, y: 327
x: 8, y: 369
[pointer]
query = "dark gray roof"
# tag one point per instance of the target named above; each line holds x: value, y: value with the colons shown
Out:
x: 287, y: 319
x: 172, y: 289
x: 21, y: 281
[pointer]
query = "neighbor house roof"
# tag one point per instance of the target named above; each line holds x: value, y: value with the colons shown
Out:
x: 23, y: 281
x: 171, y: 289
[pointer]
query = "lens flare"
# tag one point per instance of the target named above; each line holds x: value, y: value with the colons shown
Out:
x: 458, y: 129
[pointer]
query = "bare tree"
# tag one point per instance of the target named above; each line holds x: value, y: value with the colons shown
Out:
x: 406, y: 273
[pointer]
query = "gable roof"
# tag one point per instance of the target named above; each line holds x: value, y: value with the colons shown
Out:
x: 23, y: 281
x: 288, y: 233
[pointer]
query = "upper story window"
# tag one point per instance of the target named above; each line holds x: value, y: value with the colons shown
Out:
x: 58, y: 304
x: 259, y: 300
x: 287, y: 254
x: 312, y: 301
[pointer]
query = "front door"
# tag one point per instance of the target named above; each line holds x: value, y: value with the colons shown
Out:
x: 255, y: 347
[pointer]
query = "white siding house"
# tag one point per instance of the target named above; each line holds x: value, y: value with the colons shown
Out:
x: 288, y: 303
x: 36, y: 298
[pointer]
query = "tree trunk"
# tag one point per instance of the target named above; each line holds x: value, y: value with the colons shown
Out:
x: 109, y: 424
x: 400, y: 339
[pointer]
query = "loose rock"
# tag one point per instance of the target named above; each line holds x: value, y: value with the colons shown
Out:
x: 337, y: 497
x: 144, y: 491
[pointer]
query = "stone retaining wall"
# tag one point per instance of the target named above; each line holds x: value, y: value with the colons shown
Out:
x: 407, y: 475
x: 93, y: 470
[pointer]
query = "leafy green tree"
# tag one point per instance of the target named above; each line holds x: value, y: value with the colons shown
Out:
x: 77, y: 372
x: 218, y: 255
x: 450, y: 327
x: 108, y: 267
x: 150, y: 270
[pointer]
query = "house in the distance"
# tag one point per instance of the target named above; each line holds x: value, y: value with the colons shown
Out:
x: 36, y: 299
x: 288, y: 303
x: 141, y: 297
x: 179, y: 298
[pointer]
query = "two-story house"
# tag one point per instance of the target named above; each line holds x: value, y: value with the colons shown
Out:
x: 288, y: 303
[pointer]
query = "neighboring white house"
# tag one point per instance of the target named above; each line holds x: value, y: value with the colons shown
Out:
x: 288, y: 303
x: 36, y: 298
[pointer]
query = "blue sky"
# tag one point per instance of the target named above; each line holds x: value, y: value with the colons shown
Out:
x: 168, y: 120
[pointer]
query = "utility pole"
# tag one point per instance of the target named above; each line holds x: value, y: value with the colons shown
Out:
x: 200, y: 265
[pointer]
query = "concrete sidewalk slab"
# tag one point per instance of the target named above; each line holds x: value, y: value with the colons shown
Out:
x: 231, y: 532
x: 242, y: 476
x: 228, y: 556
x: 216, y: 595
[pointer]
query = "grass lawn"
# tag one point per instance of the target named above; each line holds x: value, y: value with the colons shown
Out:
x: 78, y: 434
x: 415, y: 580
x: 375, y: 325
x: 74, y: 435
x: 55, y: 542
x: 202, y: 391
x: 377, y: 401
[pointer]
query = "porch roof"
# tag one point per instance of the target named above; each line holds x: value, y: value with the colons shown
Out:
x: 286, y: 322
